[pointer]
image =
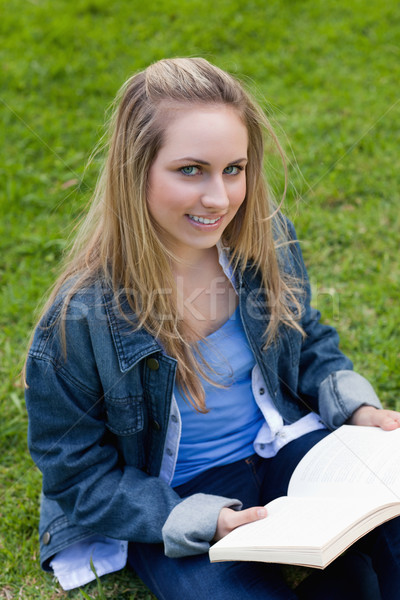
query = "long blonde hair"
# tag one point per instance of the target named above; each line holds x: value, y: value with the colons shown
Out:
x: 117, y: 240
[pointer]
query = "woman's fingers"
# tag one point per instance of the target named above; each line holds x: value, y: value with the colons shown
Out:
x: 388, y: 420
x: 230, y: 519
x: 374, y: 417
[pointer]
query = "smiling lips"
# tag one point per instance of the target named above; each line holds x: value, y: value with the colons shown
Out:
x: 203, y: 220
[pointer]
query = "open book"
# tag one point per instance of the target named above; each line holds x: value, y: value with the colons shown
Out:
x: 344, y: 487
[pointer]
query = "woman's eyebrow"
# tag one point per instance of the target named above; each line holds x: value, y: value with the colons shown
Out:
x: 199, y: 161
x: 238, y: 160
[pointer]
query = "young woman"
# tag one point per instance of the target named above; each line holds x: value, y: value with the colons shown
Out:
x: 179, y: 373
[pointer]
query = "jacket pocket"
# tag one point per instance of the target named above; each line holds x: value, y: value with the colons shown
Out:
x: 125, y: 416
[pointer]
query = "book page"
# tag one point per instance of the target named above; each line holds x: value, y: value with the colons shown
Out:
x: 354, y: 461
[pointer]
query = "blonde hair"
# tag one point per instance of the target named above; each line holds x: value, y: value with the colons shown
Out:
x: 118, y: 241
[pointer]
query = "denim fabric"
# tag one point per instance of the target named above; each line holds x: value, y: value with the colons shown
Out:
x: 98, y: 418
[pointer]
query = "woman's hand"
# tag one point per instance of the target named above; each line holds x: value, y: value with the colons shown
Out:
x: 230, y: 519
x: 375, y: 417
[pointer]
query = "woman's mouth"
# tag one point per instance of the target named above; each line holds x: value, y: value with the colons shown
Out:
x: 204, y: 220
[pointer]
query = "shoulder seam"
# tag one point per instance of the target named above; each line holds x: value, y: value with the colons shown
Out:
x: 64, y: 373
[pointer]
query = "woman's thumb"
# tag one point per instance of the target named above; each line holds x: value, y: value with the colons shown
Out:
x: 255, y: 513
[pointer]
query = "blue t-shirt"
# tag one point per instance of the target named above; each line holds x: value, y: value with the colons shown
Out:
x: 226, y: 433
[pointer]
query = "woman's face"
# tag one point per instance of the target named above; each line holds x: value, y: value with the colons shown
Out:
x: 197, y: 181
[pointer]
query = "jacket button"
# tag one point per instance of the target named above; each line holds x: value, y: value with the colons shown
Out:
x: 155, y: 425
x: 46, y: 538
x: 153, y: 364
x: 261, y: 391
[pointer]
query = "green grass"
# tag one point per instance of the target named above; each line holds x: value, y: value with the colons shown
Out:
x: 326, y: 71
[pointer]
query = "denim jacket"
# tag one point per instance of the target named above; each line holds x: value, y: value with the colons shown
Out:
x: 98, y: 417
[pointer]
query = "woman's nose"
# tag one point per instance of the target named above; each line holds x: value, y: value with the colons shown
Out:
x: 215, y: 195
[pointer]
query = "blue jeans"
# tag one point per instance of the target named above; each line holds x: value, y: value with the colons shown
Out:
x: 370, y: 570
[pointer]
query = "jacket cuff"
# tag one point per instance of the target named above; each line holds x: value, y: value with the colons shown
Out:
x: 341, y: 394
x: 192, y: 523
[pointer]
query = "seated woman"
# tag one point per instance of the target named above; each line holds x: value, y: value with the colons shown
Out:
x: 179, y: 373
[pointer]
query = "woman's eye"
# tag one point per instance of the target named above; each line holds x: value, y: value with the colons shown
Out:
x: 190, y: 170
x: 233, y: 170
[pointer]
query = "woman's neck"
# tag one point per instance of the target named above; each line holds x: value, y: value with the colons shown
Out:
x: 205, y: 296
x: 196, y: 262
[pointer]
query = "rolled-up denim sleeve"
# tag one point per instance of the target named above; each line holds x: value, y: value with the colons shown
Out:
x: 192, y: 524
x: 341, y: 394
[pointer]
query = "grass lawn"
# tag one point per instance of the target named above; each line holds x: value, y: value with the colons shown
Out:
x: 327, y: 72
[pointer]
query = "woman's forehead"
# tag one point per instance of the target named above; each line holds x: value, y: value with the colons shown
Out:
x: 206, y: 128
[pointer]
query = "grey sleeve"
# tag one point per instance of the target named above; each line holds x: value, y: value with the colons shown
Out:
x: 192, y: 523
x: 342, y: 393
